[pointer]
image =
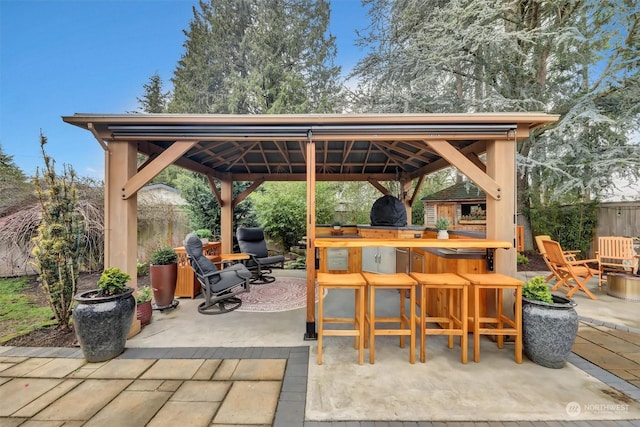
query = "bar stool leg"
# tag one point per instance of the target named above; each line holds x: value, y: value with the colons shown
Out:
x: 360, y: 320
x: 402, y: 315
x: 518, y: 320
x: 450, y: 312
x: 423, y: 320
x: 412, y: 323
x: 464, y: 318
x: 372, y: 324
x: 500, y: 322
x: 320, y: 323
x: 476, y: 323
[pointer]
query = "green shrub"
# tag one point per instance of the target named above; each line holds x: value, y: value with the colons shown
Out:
x: 442, y: 224
x: 521, y: 259
x: 203, y: 233
x: 113, y: 281
x: 142, y: 268
x: 163, y: 255
x: 537, y: 289
x: 58, y: 243
x: 573, y: 226
x: 143, y: 294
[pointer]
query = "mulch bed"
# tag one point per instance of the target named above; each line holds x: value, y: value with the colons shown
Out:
x: 53, y: 336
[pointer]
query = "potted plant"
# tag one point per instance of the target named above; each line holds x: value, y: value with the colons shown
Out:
x: 442, y: 225
x: 204, y: 235
x: 143, y: 305
x: 163, y: 270
x: 549, y: 324
x: 102, y: 317
x: 336, y: 225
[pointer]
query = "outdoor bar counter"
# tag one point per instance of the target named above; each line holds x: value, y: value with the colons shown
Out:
x: 459, y: 254
x: 463, y: 252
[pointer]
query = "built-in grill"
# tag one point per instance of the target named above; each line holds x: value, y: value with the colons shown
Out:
x: 388, y: 211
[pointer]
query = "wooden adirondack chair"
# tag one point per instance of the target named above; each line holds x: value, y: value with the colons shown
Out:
x: 616, y: 254
x: 572, y: 274
x: 571, y: 256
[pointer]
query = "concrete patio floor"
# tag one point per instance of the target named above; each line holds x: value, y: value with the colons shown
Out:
x: 256, y: 369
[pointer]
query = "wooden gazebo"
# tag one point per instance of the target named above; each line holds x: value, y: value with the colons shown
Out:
x: 340, y: 147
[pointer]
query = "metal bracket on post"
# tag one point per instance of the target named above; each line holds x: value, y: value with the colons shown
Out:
x: 311, y: 334
x: 490, y: 258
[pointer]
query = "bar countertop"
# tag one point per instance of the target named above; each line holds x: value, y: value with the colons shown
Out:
x: 332, y: 242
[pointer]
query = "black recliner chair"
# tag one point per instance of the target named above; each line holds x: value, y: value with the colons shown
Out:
x: 252, y: 242
x: 219, y: 287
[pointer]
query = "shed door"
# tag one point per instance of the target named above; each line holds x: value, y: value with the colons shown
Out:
x: 447, y: 211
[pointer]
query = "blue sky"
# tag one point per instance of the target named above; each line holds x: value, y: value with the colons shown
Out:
x: 60, y: 57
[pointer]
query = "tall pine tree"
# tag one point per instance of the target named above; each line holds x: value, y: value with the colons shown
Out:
x: 258, y: 57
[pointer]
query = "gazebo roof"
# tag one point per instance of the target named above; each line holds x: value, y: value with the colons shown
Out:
x: 348, y: 147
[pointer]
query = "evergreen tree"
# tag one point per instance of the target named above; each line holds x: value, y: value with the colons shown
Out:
x: 203, y: 209
x: 58, y: 244
x: 154, y: 99
x: 14, y: 188
x: 257, y: 57
x: 576, y: 58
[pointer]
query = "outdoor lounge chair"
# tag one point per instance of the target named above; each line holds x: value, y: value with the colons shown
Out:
x: 252, y: 242
x: 571, y: 256
x: 219, y: 287
x: 572, y: 274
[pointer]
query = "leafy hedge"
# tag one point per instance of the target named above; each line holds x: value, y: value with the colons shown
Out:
x: 573, y: 226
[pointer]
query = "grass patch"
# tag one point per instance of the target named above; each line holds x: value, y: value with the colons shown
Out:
x: 19, y: 314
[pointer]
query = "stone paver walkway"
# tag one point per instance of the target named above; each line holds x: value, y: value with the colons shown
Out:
x: 616, y: 351
x: 250, y: 389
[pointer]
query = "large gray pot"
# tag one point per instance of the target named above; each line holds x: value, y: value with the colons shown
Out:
x: 549, y: 330
x: 103, y: 323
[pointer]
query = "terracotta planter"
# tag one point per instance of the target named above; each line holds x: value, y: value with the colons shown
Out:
x: 163, y: 283
x: 103, y: 323
x: 143, y: 312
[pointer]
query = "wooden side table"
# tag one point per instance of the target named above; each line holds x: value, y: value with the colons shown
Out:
x: 233, y: 258
x: 187, y: 285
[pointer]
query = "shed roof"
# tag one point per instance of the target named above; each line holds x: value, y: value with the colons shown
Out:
x: 461, y: 191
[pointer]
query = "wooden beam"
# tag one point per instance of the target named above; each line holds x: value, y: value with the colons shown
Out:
x: 381, y: 188
x: 416, y: 190
x: 157, y: 165
x: 250, y: 189
x: 150, y: 149
x: 467, y: 167
x: 437, y: 165
x: 214, y: 190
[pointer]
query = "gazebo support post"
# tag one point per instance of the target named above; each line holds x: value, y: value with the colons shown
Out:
x: 501, y: 213
x: 226, y: 215
x: 121, y: 215
x: 310, y: 333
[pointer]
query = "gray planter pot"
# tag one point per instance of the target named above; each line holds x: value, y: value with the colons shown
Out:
x: 102, y: 324
x: 549, y: 330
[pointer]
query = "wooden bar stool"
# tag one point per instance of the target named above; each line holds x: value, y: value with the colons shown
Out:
x: 353, y: 281
x: 498, y: 282
x: 455, y: 320
x: 401, y: 282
